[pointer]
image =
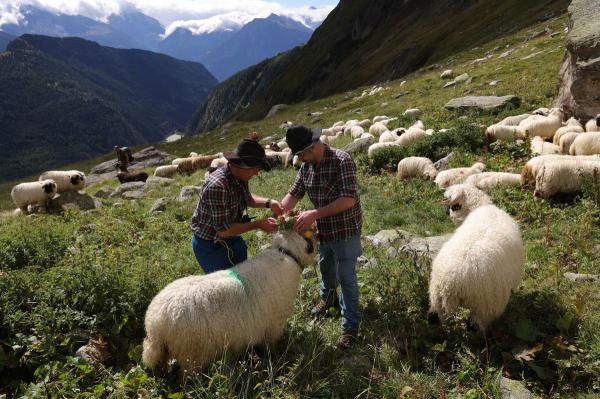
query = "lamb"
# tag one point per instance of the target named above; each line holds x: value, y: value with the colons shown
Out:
x: 416, y: 167
x: 565, y: 177
x: 411, y: 135
x: 33, y: 193
x: 479, y: 266
x: 487, y: 180
x: 377, y: 129
x: 67, y: 180
x: 504, y: 132
x: 166, y: 170
x: 564, y: 144
x: 127, y: 177
x: 454, y: 176
x: 539, y: 147
x: 513, y: 120
x: 586, y: 144
x: 593, y: 125
x: 195, y: 319
x: 545, y: 127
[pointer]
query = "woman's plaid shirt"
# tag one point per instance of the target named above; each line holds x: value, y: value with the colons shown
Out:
x: 222, y: 202
x: 334, y: 177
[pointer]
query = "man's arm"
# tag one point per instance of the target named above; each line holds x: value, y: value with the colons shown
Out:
x: 254, y: 201
x: 289, y: 201
x: 235, y: 229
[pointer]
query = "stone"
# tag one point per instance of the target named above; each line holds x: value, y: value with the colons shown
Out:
x: 581, y: 277
x: 159, y: 205
x: 104, y: 192
x: 450, y: 84
x: 485, y: 103
x: 131, y: 186
x: 462, y: 78
x: 95, y: 352
x: 74, y: 200
x: 360, y: 363
x: 505, y: 54
x: 275, y: 109
x: 396, y: 241
x: 371, y: 263
x: 512, y: 389
x: 401, y: 94
x: 427, y: 246
x: 391, y: 252
x: 361, y: 260
x: 579, y: 76
x: 146, y: 158
x: 156, y: 181
x: 133, y: 195
x: 494, y: 82
x: 531, y: 55
x: 189, y: 192
x: 385, y: 238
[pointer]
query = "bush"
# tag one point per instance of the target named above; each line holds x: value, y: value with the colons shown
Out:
x: 465, y: 137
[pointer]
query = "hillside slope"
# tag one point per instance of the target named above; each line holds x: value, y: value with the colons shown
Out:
x: 62, y: 100
x: 367, y: 41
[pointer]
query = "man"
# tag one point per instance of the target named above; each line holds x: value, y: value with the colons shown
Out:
x: 220, y: 216
x: 124, y: 157
x: 328, y: 175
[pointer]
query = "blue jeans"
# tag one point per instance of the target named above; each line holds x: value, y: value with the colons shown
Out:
x: 221, y: 255
x: 337, y: 261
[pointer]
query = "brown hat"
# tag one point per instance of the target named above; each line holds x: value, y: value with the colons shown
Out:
x: 248, y: 154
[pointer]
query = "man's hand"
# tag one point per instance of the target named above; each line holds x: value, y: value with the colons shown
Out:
x: 268, y: 225
x: 305, y: 220
x: 276, y: 208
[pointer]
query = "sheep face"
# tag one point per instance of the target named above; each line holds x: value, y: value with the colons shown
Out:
x: 49, y: 187
x: 303, y: 246
x: 598, y: 120
x: 461, y: 199
x: 77, y: 178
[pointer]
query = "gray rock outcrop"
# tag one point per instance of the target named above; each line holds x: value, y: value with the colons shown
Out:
x: 579, y: 76
x: 486, y: 103
x: 74, y: 199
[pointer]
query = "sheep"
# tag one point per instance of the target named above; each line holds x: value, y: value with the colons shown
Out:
x: 533, y: 166
x: 562, y: 176
x: 328, y: 132
x: 296, y: 161
x: 387, y: 137
x: 479, y: 266
x: 67, y: 180
x: 379, y: 118
x: 356, y: 131
x: 416, y: 167
x: 283, y: 156
x: 191, y: 165
x: 412, y: 112
x: 545, y: 127
x: 593, y: 125
x: 487, y: 180
x: 412, y: 135
x: 375, y: 148
x: 368, y: 136
x: 195, y: 319
x: 504, y: 132
x: 193, y: 154
x: 539, y: 147
x: 586, y: 144
x: 450, y: 177
x: 166, y: 170
x: 513, y: 120
x: 542, y: 111
x: 177, y: 161
x: 566, y: 140
x: 419, y: 125
x: 365, y: 123
x: 33, y: 193
x: 127, y: 177
x: 447, y: 74
x: 572, y: 126
x: 338, y: 123
x: 377, y: 129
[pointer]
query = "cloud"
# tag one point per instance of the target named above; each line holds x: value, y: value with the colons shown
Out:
x: 196, y: 15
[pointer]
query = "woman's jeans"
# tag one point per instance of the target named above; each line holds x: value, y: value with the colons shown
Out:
x: 337, y: 261
x: 220, y: 255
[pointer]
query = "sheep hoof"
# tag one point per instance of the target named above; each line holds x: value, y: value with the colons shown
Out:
x: 433, y: 318
x: 471, y: 325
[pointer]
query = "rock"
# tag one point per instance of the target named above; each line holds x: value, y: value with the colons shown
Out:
x: 442, y: 164
x: 595, y: 278
x: 512, y: 389
x: 189, y: 192
x: 391, y: 252
x: 383, y: 104
x: 450, y: 84
x: 145, y: 158
x: 104, y: 192
x: 362, y: 260
x: 494, y: 82
x: 462, y: 78
x: 531, y: 55
x: 358, y: 146
x: 579, y: 76
x: 275, y: 109
x: 131, y: 186
x: 156, y: 181
x: 133, y: 195
x: 482, y: 102
x: 505, y: 54
x: 401, y: 94
x: 385, y: 238
x: 371, y: 263
x: 360, y: 363
x: 402, y: 241
x: 74, y: 200
x: 95, y: 352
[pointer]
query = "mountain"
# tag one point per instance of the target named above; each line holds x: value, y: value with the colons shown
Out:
x: 5, y: 38
x: 66, y: 99
x: 368, y: 41
x: 143, y: 31
x: 185, y: 45
x: 259, y: 39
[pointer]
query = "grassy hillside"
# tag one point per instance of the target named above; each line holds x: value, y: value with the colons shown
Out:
x: 66, y: 278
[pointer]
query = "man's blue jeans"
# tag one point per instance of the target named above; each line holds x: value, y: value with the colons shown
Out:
x: 337, y: 261
x: 221, y: 255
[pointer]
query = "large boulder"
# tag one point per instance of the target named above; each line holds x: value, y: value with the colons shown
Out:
x: 125, y: 187
x: 579, y: 76
x: 486, y: 103
x: 73, y: 199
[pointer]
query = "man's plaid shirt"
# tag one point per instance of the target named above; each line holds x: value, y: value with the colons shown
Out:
x: 222, y: 202
x: 334, y: 177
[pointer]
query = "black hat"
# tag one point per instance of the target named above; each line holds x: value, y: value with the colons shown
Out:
x: 299, y: 138
x: 249, y: 154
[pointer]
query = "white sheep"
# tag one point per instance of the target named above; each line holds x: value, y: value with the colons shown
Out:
x: 504, y: 132
x: 375, y: 148
x: 565, y: 141
x: 412, y: 112
x: 488, y: 180
x: 563, y: 176
x: 282, y: 145
x: 33, y: 193
x: 66, y: 180
x: 388, y: 137
x: 195, y: 319
x: 513, y: 120
x: 365, y: 123
x: 370, y: 138
x: 338, y: 123
x: 593, y: 125
x: 538, y: 146
x: 377, y: 129
x: 586, y: 144
x: 450, y: 177
x: 532, y: 167
x: 193, y: 154
x: 166, y: 170
x: 545, y: 127
x: 356, y: 131
x: 418, y: 124
x: 416, y: 167
x: 572, y: 126
x: 412, y: 135
x: 379, y: 118
x: 447, y: 74
x: 481, y: 264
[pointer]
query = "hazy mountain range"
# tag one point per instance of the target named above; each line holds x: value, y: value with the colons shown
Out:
x: 226, y: 47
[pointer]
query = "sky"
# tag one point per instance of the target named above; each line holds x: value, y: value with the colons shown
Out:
x: 192, y: 14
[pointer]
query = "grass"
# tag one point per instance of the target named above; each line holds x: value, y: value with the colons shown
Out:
x: 66, y: 278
